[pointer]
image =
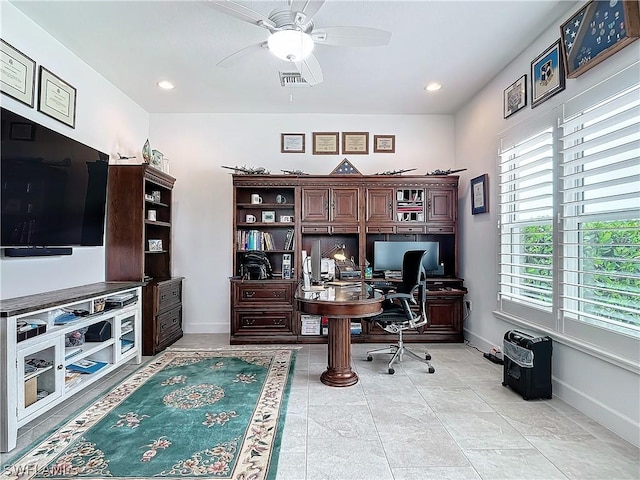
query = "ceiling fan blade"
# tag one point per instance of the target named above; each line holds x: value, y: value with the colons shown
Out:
x: 238, y: 56
x: 241, y: 12
x: 352, y: 36
x: 310, y: 70
x: 307, y: 7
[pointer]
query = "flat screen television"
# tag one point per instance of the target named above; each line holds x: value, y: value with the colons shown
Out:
x: 54, y: 189
x: 387, y: 256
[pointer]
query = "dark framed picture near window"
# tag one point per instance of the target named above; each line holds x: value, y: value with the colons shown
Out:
x: 515, y: 96
x: 479, y: 194
x: 547, y: 74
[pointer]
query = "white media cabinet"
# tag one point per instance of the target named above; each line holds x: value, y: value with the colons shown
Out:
x: 26, y: 396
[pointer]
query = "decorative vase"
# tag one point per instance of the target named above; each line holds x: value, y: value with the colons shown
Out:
x: 146, y: 152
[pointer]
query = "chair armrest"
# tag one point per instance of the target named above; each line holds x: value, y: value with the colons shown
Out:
x: 401, y: 296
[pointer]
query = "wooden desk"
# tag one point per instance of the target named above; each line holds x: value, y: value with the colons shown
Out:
x: 340, y: 304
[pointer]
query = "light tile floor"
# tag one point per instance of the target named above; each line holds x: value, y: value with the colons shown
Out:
x: 459, y: 423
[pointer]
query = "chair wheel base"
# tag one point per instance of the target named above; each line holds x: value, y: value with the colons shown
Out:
x: 391, y: 371
x: 427, y: 356
x: 432, y: 370
x: 369, y: 358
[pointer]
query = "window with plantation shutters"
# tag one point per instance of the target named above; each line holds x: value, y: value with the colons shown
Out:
x: 600, y: 208
x: 569, y: 221
x: 526, y: 224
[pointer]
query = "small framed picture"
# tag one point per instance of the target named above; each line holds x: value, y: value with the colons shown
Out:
x: 547, y: 75
x: 384, y: 143
x: 18, y: 74
x: 57, y: 98
x: 268, y: 216
x: 515, y: 96
x: 479, y: 197
x: 155, y: 245
x: 292, y: 143
x: 326, y: 143
x: 151, y: 215
x: 286, y: 218
x: 355, y: 143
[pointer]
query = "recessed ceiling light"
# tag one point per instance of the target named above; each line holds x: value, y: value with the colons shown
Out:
x: 433, y: 87
x: 165, y: 85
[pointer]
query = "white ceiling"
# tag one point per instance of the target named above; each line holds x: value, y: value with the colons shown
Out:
x: 134, y: 44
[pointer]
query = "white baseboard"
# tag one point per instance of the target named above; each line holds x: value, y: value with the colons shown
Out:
x: 206, y: 328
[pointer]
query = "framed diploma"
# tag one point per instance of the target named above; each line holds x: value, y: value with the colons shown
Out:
x: 355, y: 143
x: 17, y: 74
x: 292, y: 143
x: 479, y: 197
x: 326, y: 143
x: 597, y: 31
x: 384, y: 143
x: 56, y: 98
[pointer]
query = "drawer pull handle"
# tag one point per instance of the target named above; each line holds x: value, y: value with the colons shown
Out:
x: 249, y: 321
x: 278, y: 294
x: 249, y: 293
x: 278, y: 321
x: 163, y: 296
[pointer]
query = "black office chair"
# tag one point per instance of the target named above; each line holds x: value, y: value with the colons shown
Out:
x: 397, y: 315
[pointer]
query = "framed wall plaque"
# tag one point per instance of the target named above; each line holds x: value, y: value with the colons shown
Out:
x: 597, y: 31
x: 292, y: 143
x: 355, y: 143
x: 479, y: 197
x: 326, y: 143
x: 17, y: 75
x: 384, y: 143
x: 57, y: 98
x: 515, y: 96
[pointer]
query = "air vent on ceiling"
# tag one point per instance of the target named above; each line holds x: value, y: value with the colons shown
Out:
x: 292, y: 79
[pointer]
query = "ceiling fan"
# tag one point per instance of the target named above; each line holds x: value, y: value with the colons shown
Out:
x: 293, y: 35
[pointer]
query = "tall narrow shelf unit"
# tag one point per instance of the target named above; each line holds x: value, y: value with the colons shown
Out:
x: 350, y: 210
x: 139, y: 244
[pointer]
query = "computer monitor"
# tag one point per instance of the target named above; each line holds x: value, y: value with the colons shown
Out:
x: 387, y: 256
x: 316, y: 262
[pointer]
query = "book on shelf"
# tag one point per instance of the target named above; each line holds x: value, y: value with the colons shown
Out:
x: 288, y: 242
x: 126, y: 345
x: 71, y: 378
x: 86, y: 366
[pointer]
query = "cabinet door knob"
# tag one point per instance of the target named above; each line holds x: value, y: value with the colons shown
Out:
x: 60, y: 367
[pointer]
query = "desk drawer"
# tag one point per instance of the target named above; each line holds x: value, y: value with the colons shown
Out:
x: 441, y: 229
x: 411, y: 229
x: 345, y: 229
x: 258, y: 322
x: 169, y: 293
x: 321, y: 229
x: 381, y: 229
x: 249, y: 293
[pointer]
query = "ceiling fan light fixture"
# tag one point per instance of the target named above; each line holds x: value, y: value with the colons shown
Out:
x: 433, y: 87
x: 290, y: 45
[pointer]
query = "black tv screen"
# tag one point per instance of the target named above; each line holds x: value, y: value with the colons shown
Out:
x: 54, y: 189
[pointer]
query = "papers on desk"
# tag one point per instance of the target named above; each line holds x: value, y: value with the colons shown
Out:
x: 314, y: 288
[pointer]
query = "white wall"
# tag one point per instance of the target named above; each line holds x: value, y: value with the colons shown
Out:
x: 199, y: 144
x: 106, y: 119
x: 607, y: 393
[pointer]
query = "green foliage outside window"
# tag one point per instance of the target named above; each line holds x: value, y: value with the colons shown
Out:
x: 610, y: 262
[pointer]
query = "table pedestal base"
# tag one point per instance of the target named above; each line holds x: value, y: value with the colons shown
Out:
x: 338, y: 372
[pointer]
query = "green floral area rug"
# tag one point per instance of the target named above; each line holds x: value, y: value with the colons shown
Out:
x: 185, y: 414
